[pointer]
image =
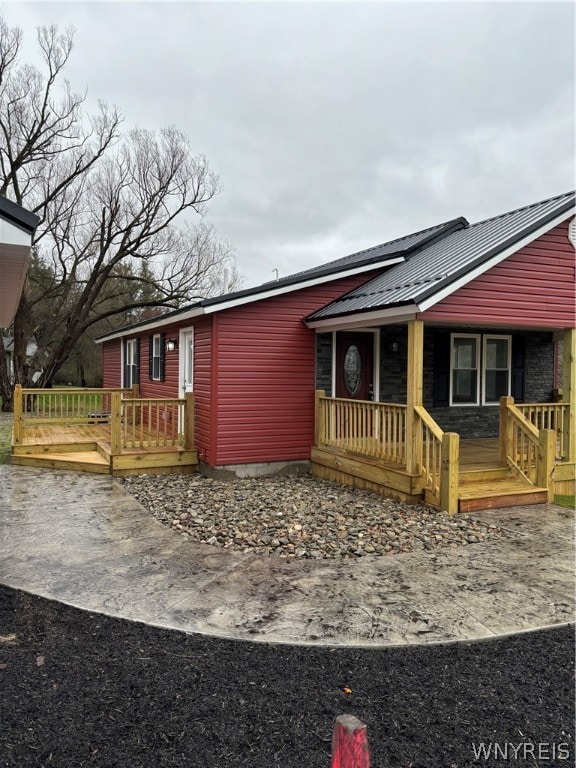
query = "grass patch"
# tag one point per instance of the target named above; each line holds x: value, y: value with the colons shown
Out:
x: 565, y: 500
x: 5, y: 437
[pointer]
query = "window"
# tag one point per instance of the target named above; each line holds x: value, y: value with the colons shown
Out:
x: 156, y: 356
x: 480, y: 369
x: 131, y: 362
x: 465, y: 362
x: 497, y: 355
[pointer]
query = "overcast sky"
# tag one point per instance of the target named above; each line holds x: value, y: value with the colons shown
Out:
x: 337, y: 126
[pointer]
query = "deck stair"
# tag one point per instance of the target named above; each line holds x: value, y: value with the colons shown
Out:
x: 495, y: 487
x: 78, y: 458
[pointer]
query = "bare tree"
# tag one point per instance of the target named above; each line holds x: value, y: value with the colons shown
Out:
x: 107, y: 244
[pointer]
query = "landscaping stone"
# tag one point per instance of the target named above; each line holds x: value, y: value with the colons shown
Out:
x: 299, y: 517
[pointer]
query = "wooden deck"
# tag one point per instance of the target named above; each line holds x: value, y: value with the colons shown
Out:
x: 87, y: 448
x: 483, y: 483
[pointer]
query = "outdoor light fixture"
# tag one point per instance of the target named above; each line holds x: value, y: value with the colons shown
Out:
x: 393, y: 346
x: 171, y: 345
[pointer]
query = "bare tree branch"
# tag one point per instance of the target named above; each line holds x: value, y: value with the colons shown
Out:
x: 109, y: 246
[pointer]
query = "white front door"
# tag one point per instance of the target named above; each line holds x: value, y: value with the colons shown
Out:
x: 186, y: 345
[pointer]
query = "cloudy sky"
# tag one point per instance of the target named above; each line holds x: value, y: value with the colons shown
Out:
x: 337, y: 126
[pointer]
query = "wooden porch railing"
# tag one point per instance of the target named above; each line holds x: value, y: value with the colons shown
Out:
x: 437, y: 461
x: 134, y: 422
x: 66, y: 406
x: 376, y: 430
x: 379, y: 431
x: 550, y: 416
x: 150, y: 422
x: 525, y: 448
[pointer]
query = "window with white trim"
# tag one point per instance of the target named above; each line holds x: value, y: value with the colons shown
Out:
x: 156, y: 356
x: 480, y: 368
x: 131, y: 369
x: 497, y: 355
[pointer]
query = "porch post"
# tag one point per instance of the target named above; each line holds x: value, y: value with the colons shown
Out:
x: 449, y: 472
x: 318, y: 431
x: 504, y: 438
x: 17, y: 425
x: 414, y: 385
x: 189, y: 422
x: 569, y: 393
x: 116, y: 424
x: 545, y: 465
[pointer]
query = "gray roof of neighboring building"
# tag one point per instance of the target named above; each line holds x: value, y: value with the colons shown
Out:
x: 18, y: 215
x: 444, y: 261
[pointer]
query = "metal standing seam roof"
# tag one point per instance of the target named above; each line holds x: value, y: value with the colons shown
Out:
x: 397, y: 247
x: 444, y: 261
x: 374, y: 255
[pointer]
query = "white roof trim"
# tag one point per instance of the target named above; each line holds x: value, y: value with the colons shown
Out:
x: 300, y: 286
x: 249, y: 299
x: 157, y: 323
x: 387, y: 316
x: 469, y: 276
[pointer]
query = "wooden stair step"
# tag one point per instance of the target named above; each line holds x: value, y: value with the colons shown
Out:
x: 491, y: 494
x: 75, y: 461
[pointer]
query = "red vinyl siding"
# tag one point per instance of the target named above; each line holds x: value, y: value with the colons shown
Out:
x: 264, y: 380
x: 535, y: 287
x: 112, y: 364
x: 203, y: 389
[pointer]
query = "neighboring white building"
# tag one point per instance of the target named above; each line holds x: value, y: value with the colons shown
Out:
x: 17, y: 226
x: 9, y: 350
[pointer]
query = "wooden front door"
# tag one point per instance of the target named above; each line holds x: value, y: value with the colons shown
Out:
x: 355, y: 365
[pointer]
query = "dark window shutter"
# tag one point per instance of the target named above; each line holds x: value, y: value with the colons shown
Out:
x: 125, y: 372
x: 518, y: 367
x: 137, y: 362
x: 162, y: 357
x: 150, y: 357
x: 441, y: 369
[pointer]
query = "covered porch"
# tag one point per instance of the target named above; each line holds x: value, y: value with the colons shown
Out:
x: 398, y: 449
x: 109, y: 431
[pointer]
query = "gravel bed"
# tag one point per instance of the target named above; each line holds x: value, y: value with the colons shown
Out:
x: 299, y: 517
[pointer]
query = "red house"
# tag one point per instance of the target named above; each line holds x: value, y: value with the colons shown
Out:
x: 362, y: 366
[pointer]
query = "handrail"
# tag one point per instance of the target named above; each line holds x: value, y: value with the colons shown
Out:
x: 525, y: 448
x: 428, y: 456
x: 429, y: 422
x: 522, y: 444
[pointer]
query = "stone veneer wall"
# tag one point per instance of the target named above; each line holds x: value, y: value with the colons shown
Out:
x: 474, y: 421
x: 324, y: 362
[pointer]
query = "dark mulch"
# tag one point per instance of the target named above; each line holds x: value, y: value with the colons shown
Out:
x: 79, y: 689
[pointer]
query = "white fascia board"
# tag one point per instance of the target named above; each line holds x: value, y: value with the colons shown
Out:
x: 300, y: 286
x: 220, y: 307
x: 387, y: 316
x: 469, y: 276
x: 158, y: 323
x: 12, y: 234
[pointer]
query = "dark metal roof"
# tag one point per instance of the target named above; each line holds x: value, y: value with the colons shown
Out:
x: 377, y: 255
x: 398, y: 247
x: 442, y: 262
x: 18, y: 215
